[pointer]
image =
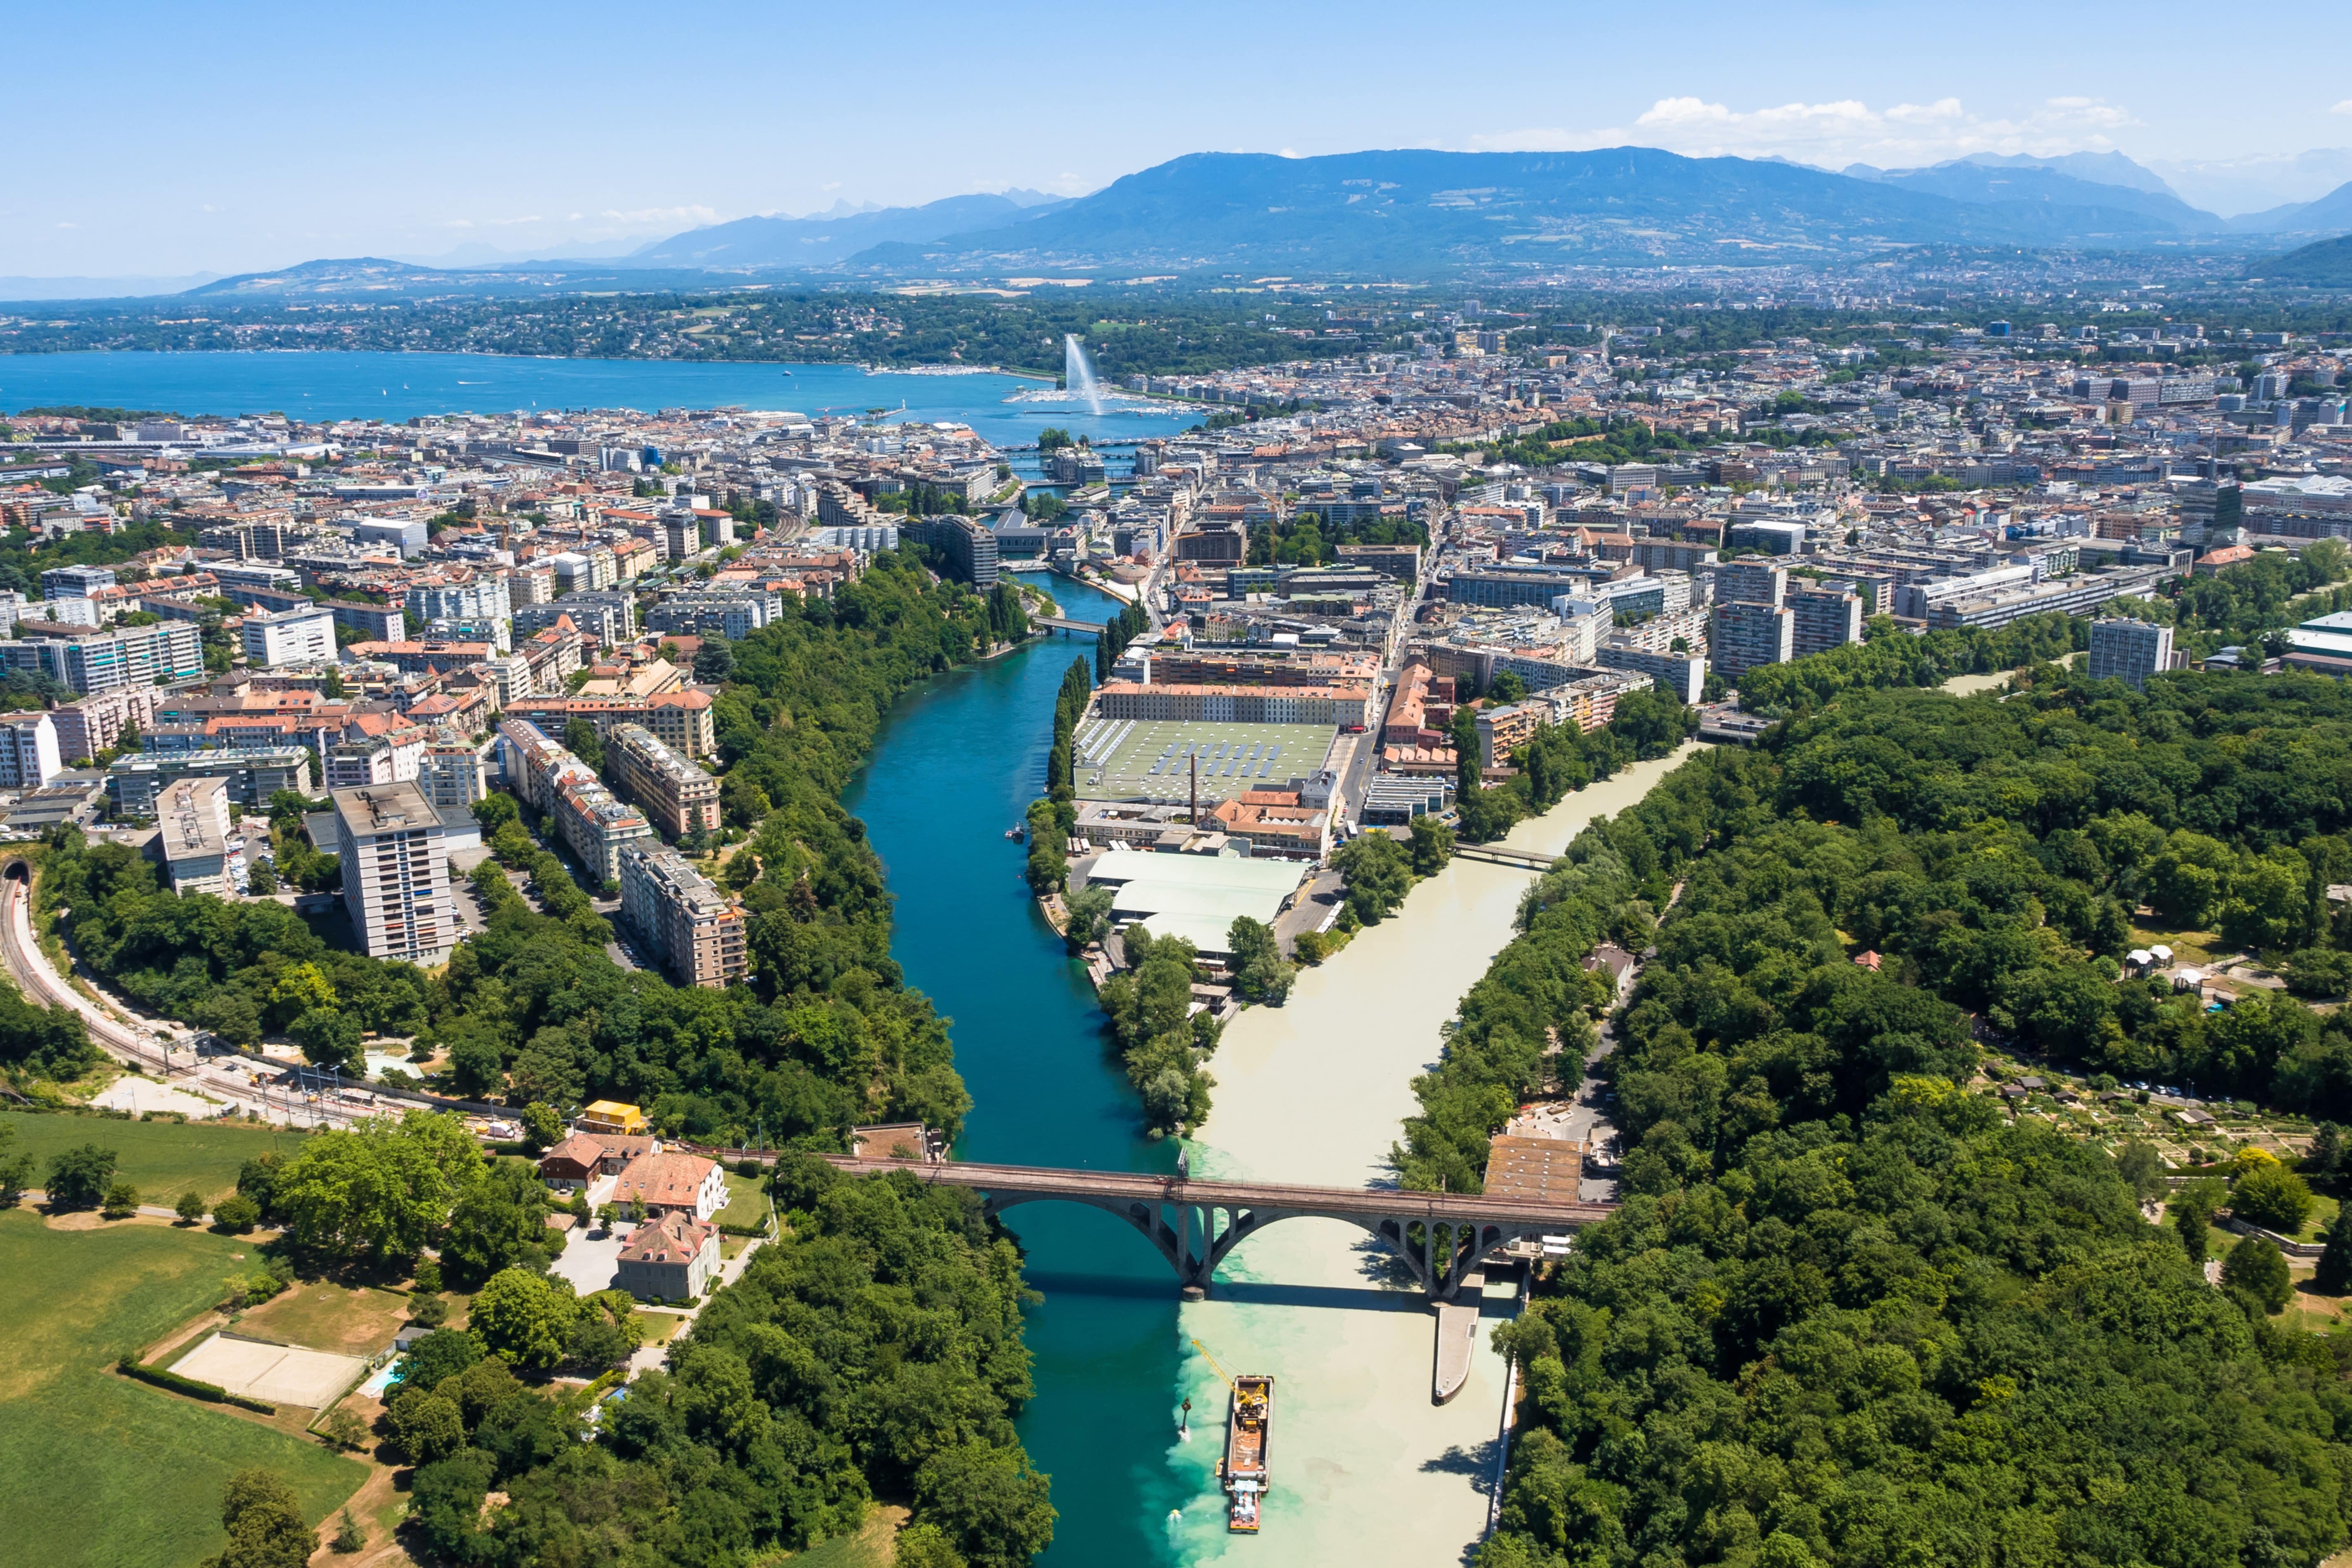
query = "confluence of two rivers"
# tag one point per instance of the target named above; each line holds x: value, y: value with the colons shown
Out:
x: 1366, y: 1470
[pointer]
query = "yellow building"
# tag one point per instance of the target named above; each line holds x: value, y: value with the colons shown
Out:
x: 612, y: 1116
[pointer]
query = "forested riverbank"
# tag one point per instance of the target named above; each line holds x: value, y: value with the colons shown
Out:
x: 1851, y: 1312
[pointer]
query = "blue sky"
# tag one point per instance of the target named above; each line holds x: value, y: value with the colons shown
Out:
x: 169, y: 139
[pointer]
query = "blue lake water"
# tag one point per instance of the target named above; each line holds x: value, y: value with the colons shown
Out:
x: 957, y: 763
x: 395, y: 386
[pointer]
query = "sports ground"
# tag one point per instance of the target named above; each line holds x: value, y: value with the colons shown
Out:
x: 1150, y: 759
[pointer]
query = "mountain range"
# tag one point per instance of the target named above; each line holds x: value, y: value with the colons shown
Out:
x: 1405, y: 212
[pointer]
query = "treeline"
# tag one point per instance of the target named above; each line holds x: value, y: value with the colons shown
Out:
x: 1824, y: 1236
x: 1131, y: 622
x: 1052, y: 816
x: 873, y: 1351
x: 1889, y: 658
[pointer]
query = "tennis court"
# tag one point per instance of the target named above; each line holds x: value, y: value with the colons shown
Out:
x: 1152, y: 759
x: 281, y: 1374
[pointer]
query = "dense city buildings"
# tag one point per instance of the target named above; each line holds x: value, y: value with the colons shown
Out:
x: 290, y: 636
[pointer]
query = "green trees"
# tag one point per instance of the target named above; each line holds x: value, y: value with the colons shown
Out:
x: 1069, y: 706
x: 1259, y: 973
x: 1432, y: 846
x: 526, y: 1318
x: 1805, y: 1171
x: 1379, y: 874
x: 2271, y: 1196
x: 1089, y: 915
x: 379, y: 1190
x: 78, y: 1177
x: 2333, y: 1274
x: 16, y: 1170
x: 2256, y: 1267
x: 497, y: 1223
x: 1121, y: 629
x: 1161, y: 1047
x: 265, y: 1524
x: 988, y: 1501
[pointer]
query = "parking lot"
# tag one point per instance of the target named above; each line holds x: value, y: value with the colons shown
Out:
x: 1150, y: 759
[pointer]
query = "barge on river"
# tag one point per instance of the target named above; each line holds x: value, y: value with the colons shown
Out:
x: 1243, y: 1468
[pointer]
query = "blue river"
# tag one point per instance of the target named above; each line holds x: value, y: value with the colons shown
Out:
x: 398, y: 386
x: 958, y: 761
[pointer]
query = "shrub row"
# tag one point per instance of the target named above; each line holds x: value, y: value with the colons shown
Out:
x: 131, y: 1366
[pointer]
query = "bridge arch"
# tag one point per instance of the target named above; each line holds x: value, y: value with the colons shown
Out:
x: 1196, y: 1238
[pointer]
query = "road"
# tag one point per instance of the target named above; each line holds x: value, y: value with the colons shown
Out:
x: 164, y: 1049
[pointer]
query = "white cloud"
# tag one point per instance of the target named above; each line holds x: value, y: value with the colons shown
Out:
x: 2343, y: 108
x: 1847, y: 130
x: 68, y: 225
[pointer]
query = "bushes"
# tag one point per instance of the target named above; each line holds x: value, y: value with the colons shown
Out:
x: 130, y: 1366
x: 1160, y: 1041
x: 2271, y: 1196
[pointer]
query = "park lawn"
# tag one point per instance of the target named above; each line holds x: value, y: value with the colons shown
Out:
x: 102, y: 1470
x: 327, y: 1316
x: 747, y: 1203
x: 658, y: 1327
x: 161, y: 1159
x: 2204, y: 949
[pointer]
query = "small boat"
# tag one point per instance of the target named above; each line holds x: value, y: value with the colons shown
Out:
x: 1243, y: 1468
x: 1017, y: 832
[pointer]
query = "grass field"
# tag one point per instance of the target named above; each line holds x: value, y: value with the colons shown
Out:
x: 162, y: 1159
x: 1117, y: 757
x: 326, y: 1316
x: 102, y: 1470
x: 747, y: 1203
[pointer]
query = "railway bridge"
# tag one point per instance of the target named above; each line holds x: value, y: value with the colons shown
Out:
x: 1441, y: 1237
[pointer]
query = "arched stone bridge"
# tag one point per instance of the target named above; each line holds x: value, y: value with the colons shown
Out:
x: 1195, y: 1224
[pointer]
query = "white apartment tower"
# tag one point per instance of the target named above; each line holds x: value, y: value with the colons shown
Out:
x: 395, y: 872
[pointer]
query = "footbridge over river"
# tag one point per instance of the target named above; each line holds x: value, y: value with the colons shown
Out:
x: 1066, y: 624
x: 1441, y: 1237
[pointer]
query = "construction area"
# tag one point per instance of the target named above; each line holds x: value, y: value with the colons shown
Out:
x: 1152, y: 759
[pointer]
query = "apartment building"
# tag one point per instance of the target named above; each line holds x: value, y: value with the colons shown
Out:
x: 191, y: 833
x: 96, y: 723
x: 251, y: 775
x: 89, y: 659
x: 2129, y: 651
x: 1821, y: 619
x: 289, y: 636
x: 452, y: 776
x: 679, y: 719
x: 29, y: 757
x: 594, y: 823
x: 1746, y: 634
x: 483, y: 598
x: 694, y: 933
x: 395, y: 872
x: 678, y: 795
x: 1750, y: 583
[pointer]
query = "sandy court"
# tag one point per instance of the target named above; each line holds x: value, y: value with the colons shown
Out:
x: 281, y: 1374
x: 139, y: 1095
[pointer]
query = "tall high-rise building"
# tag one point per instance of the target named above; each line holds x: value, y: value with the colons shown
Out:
x: 1751, y: 582
x: 99, y: 660
x: 1746, y: 634
x: 29, y: 757
x: 396, y: 866
x: 1821, y: 619
x: 2129, y: 651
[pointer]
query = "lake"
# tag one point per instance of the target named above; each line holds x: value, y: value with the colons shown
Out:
x: 398, y: 386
